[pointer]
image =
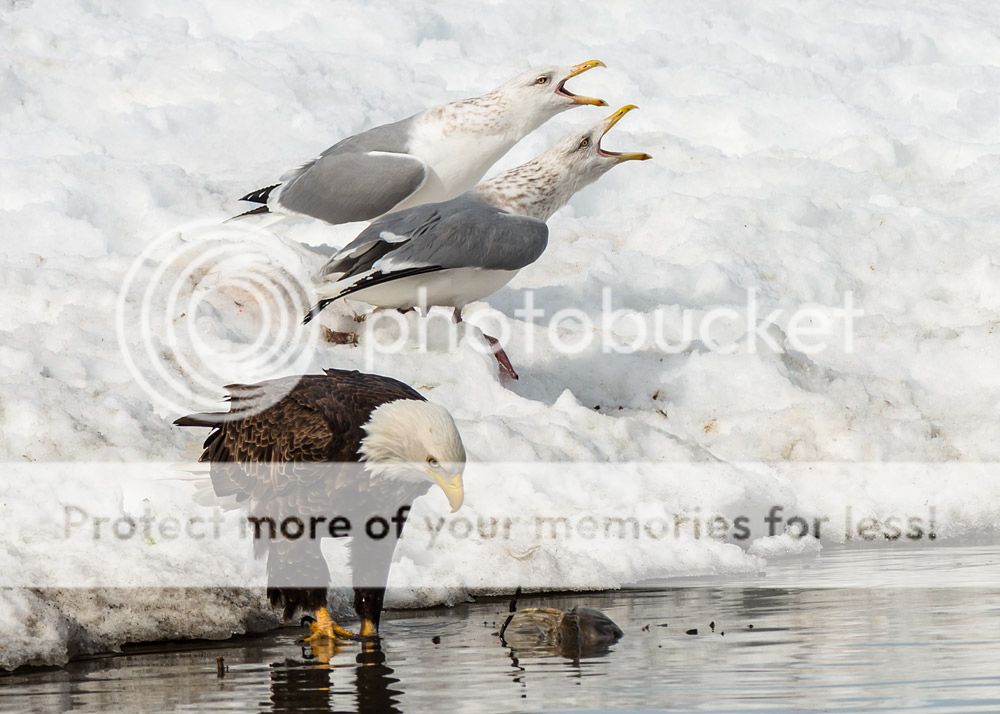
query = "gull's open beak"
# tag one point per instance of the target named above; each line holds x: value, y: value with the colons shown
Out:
x: 573, y: 71
x: 453, y: 488
x: 620, y: 155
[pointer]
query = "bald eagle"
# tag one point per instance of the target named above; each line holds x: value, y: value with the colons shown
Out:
x: 327, y: 455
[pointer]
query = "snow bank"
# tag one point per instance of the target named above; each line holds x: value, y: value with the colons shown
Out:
x: 785, y: 545
x: 800, y: 151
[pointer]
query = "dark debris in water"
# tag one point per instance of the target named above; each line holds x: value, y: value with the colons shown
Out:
x: 571, y: 633
x: 436, y: 639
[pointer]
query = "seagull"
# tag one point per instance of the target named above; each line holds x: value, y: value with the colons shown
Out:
x: 459, y: 251
x: 431, y: 156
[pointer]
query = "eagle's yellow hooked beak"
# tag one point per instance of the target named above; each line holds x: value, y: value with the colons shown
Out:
x: 454, y: 489
x: 574, y: 71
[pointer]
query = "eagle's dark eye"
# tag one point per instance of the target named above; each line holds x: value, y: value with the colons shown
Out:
x: 542, y: 80
x: 584, y: 143
x: 433, y: 462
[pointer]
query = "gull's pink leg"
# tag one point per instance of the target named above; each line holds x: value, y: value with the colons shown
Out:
x: 503, y: 361
x: 506, y: 368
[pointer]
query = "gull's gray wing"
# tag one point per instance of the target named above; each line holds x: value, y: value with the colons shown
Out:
x: 341, y: 188
x: 464, y: 232
x: 382, y: 236
x: 357, y: 179
x: 470, y: 233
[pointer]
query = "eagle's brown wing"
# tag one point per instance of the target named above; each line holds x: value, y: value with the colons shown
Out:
x: 319, y: 419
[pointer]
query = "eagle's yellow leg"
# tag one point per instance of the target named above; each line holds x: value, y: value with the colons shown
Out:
x: 325, y: 628
x: 368, y: 627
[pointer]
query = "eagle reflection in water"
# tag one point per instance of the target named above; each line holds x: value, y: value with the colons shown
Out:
x: 314, y: 684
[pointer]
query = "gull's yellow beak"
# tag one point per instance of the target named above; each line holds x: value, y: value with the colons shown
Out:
x: 620, y: 155
x: 454, y: 489
x: 574, y: 71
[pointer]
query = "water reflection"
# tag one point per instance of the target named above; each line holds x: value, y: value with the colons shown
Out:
x: 310, y: 684
x: 374, y: 683
x: 538, y: 664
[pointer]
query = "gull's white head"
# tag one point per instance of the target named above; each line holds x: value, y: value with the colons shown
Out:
x: 582, y: 155
x: 544, y: 88
x: 527, y: 101
x: 411, y: 439
x: 544, y: 184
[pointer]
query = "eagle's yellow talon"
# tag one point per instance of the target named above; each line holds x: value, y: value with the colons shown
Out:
x: 324, y: 627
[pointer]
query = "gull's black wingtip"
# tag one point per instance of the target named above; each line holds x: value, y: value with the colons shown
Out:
x: 315, y: 310
x: 252, y: 212
x: 261, y: 194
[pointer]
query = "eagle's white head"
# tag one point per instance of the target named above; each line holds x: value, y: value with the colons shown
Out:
x: 411, y: 439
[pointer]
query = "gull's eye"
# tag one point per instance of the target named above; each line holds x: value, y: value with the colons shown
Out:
x: 542, y: 80
x: 584, y: 143
x: 432, y: 462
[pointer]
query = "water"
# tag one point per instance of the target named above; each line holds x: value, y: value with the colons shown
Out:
x: 830, y: 649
